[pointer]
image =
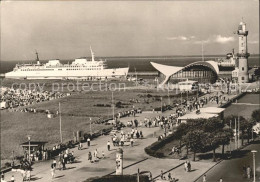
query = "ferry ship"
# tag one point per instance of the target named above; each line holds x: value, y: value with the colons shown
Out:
x: 79, y: 69
x: 228, y: 62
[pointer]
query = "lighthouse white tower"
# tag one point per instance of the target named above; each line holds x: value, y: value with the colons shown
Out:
x: 242, y: 54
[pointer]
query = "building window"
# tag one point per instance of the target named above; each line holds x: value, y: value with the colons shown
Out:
x: 242, y: 68
x: 242, y: 78
x: 242, y: 44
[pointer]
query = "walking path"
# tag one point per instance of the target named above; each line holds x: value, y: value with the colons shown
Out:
x: 249, y: 104
x: 134, y: 157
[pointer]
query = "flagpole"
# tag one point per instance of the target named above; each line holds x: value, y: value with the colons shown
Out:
x: 113, y: 106
x: 235, y: 133
x: 238, y: 126
x: 169, y: 101
x: 202, y: 51
x: 230, y: 137
x: 60, y: 124
x: 90, y: 127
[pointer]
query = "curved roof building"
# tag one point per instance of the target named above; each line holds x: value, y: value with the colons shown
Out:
x: 202, y: 71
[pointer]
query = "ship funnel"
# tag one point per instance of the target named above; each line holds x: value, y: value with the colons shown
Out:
x: 92, y: 54
x: 37, y: 57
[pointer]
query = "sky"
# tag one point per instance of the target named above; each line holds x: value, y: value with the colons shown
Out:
x: 67, y: 29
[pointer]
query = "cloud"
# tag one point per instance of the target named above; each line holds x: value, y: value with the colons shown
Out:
x: 183, y: 38
x: 223, y: 40
x: 211, y: 39
x: 253, y: 42
x: 200, y: 41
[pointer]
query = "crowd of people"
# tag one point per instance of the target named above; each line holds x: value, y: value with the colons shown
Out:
x: 63, y: 158
x: 164, y: 122
x: 169, y: 177
x: 13, y: 98
x: 194, y: 103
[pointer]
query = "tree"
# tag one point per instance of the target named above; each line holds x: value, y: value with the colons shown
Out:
x: 230, y: 118
x: 224, y: 137
x: 246, y: 127
x: 212, y: 128
x: 193, y: 140
x: 250, y: 124
x: 256, y: 115
x: 213, y: 125
x: 181, y: 130
x: 243, y: 126
x: 211, y: 142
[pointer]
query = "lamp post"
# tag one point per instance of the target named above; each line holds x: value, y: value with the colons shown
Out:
x: 161, y: 106
x: 169, y: 101
x: 165, y: 129
x: 13, y: 159
x: 181, y: 99
x: 90, y: 127
x: 113, y: 106
x: 29, y: 141
x: 230, y: 137
x: 252, y: 134
x: 60, y: 124
x: 254, y: 151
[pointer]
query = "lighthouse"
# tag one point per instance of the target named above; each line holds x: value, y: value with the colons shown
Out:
x: 242, y: 53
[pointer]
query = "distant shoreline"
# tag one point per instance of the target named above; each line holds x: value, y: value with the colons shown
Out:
x: 137, y: 57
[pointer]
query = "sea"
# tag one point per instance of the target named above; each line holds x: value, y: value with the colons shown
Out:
x: 138, y: 64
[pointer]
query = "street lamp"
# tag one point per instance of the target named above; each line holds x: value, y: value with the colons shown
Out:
x: 254, y: 151
x: 165, y: 129
x: 161, y: 106
x: 29, y: 141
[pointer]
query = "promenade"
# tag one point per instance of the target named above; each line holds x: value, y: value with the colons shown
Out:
x: 134, y: 158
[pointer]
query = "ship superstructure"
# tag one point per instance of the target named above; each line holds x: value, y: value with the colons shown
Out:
x: 80, y: 68
x: 229, y: 61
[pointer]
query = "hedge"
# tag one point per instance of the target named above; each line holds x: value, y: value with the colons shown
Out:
x: 152, y: 149
x: 118, y: 178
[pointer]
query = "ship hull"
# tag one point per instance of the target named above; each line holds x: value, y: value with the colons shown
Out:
x: 58, y: 73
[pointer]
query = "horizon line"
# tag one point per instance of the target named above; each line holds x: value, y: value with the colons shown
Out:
x: 161, y: 56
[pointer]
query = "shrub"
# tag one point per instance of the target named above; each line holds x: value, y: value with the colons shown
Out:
x: 7, y: 164
x: 152, y: 149
x: 118, y: 178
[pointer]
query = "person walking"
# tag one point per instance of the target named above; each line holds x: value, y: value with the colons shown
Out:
x: 88, y: 140
x: 52, y: 171
x: 169, y: 177
x: 65, y: 158
x: 248, y: 172
x: 132, y: 142
x: 189, y: 166
x: 204, y: 178
x: 186, y: 166
x: 60, y: 161
x: 90, y: 157
x: 63, y: 163
x: 96, y: 155
x: 2, y: 176
x: 108, y: 145
x: 244, y: 171
x: 141, y: 134
x: 103, y: 155
x: 12, y: 178
x: 80, y: 146
x: 54, y: 163
x: 161, y: 174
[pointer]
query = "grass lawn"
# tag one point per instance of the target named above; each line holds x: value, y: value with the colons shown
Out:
x: 15, y: 126
x: 244, y: 110
x: 76, y: 111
